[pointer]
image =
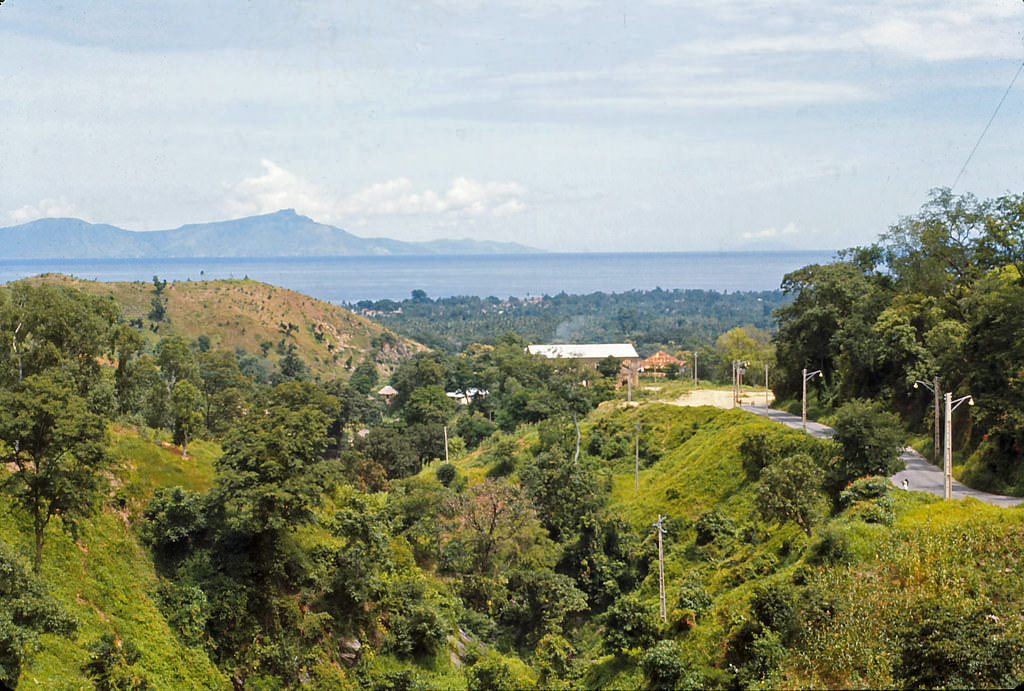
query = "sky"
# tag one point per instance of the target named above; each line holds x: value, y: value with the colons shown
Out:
x: 566, y: 125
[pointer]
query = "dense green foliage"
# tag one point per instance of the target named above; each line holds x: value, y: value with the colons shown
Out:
x: 940, y: 294
x: 652, y: 319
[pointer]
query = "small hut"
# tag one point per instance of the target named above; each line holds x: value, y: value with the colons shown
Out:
x: 388, y: 393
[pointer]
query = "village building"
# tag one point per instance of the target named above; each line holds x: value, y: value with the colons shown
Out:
x: 589, y: 354
x: 657, y: 363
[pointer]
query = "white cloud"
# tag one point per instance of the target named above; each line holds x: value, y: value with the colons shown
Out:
x: 772, y: 233
x: 46, y: 208
x: 278, y: 189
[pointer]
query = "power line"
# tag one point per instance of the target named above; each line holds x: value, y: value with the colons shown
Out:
x: 984, y: 131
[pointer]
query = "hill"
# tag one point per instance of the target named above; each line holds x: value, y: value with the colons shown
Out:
x: 263, y: 319
x: 280, y: 234
x: 749, y: 602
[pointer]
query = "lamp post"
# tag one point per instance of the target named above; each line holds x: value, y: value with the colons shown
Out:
x: 803, y: 396
x: 934, y: 388
x: 947, y: 464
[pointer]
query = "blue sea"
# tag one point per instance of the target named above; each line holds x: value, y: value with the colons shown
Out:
x: 350, y: 279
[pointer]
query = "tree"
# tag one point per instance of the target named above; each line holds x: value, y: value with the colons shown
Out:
x: 790, y: 490
x: 272, y: 472
x: 43, y: 327
x: 185, y: 415
x: 497, y: 524
x: 26, y: 611
x: 871, y: 439
x: 364, y: 377
x: 56, y: 449
x: 224, y: 389
x: 111, y: 665
x: 176, y: 362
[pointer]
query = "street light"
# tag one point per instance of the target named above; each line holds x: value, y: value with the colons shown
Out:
x: 739, y: 367
x: 934, y: 388
x: 947, y: 465
x: 803, y: 408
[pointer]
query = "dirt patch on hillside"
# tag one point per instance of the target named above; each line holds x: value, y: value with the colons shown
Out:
x: 720, y: 398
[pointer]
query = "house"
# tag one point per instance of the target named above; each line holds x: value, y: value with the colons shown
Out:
x: 589, y: 354
x: 659, y: 361
x: 468, y: 396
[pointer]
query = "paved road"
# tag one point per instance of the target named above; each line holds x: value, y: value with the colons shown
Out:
x: 919, y: 473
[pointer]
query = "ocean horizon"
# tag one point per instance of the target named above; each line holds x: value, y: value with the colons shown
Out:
x: 350, y: 279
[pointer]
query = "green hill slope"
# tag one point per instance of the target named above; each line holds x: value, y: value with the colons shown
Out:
x: 893, y: 589
x: 261, y: 318
x: 106, y: 580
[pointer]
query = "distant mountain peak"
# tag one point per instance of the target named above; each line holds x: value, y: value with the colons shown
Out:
x: 282, y: 233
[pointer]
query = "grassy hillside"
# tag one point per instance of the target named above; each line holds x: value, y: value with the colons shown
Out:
x: 244, y: 313
x: 877, y: 597
x: 105, y: 578
x: 880, y: 584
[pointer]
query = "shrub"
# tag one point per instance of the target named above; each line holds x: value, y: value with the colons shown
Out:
x: 492, y: 673
x: 111, y: 665
x: 831, y: 547
x: 664, y: 666
x: 629, y: 624
x: 871, y: 439
x: 555, y: 661
x: 863, y: 489
x: 446, y: 473
x: 775, y: 605
x: 26, y: 611
x: 957, y: 643
x: 714, y: 527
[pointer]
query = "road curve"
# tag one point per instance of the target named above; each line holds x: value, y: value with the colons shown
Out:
x: 918, y: 472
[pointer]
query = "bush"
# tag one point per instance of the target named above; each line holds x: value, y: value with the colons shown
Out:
x: 555, y: 661
x: 492, y: 673
x: 714, y: 527
x: 664, y: 666
x: 445, y: 473
x: 26, y: 611
x: 629, y: 624
x: 865, y: 488
x: 774, y: 605
x: 111, y: 665
x: 957, y: 643
x: 871, y: 439
x: 172, y: 519
x: 831, y: 547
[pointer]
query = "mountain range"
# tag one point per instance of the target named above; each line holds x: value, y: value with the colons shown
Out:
x: 280, y: 234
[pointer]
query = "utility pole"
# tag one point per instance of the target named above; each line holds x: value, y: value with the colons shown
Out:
x: 446, y: 443
x: 695, y: 367
x: 661, y: 567
x: 803, y: 396
x: 947, y: 463
x: 766, y: 385
x: 636, y: 465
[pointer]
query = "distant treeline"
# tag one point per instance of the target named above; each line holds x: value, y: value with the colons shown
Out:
x: 651, y: 319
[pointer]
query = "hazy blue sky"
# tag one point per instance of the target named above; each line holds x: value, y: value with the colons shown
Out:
x: 564, y: 124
